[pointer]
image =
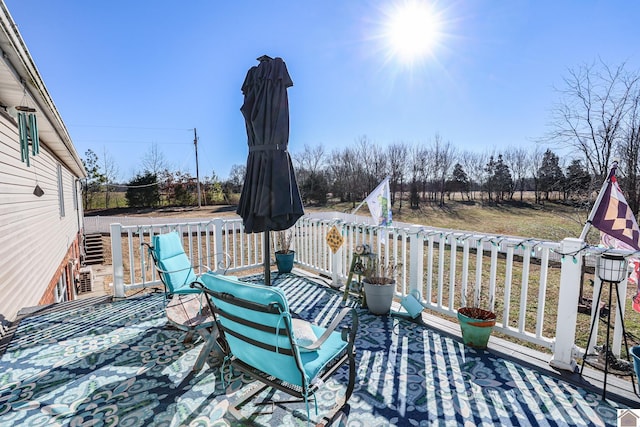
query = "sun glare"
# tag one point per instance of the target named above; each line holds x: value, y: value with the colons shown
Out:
x: 412, y: 31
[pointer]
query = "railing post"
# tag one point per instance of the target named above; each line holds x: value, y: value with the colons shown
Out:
x: 116, y: 261
x: 416, y: 260
x: 218, y: 250
x: 571, y: 269
x: 336, y: 267
x: 336, y: 259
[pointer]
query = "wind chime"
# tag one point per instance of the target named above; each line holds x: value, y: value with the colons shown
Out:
x: 28, y: 132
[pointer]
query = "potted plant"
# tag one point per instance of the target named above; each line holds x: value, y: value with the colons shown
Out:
x: 284, y: 254
x: 476, y: 323
x: 379, y: 285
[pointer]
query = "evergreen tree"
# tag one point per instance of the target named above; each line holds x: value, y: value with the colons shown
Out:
x: 499, y: 180
x: 143, y: 191
x: 578, y: 179
x: 95, y: 178
x: 460, y: 181
x: 550, y: 174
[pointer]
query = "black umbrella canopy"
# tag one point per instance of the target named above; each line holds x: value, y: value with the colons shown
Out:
x: 270, y: 199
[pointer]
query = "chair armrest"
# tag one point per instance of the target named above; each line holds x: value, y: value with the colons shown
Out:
x: 333, y: 325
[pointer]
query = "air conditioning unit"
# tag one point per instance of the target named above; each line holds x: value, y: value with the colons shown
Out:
x: 86, y: 280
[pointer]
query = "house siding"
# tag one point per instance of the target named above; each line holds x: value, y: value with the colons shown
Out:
x: 36, y: 243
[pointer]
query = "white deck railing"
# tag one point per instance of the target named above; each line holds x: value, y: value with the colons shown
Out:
x: 537, y: 280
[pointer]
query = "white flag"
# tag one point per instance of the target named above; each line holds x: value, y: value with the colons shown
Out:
x: 379, y: 202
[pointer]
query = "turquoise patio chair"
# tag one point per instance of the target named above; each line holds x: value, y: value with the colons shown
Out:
x: 262, y: 340
x: 185, y: 307
x: 173, y: 265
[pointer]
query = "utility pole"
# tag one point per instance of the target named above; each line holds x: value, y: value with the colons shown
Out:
x: 195, y: 143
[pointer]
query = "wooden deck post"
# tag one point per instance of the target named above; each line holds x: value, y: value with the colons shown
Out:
x: 563, y: 348
x: 219, y: 252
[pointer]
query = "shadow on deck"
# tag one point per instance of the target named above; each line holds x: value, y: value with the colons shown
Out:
x: 117, y: 362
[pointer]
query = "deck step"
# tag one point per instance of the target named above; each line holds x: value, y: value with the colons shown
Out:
x: 93, y: 251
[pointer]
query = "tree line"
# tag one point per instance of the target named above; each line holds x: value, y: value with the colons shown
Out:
x: 595, y: 120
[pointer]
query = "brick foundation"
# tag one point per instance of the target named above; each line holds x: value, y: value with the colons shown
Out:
x: 70, y: 263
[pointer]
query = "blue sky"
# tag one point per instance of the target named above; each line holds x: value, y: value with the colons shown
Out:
x: 128, y: 74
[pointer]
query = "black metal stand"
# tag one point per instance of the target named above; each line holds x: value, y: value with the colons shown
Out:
x: 607, y: 345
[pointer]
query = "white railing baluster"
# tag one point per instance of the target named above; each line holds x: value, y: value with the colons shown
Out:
x: 493, y: 275
x: 464, y: 284
x: 131, y: 251
x: 524, y: 288
x: 441, y: 245
x: 429, y: 291
x: 508, y: 276
x: 452, y: 270
x: 542, y: 291
x: 478, y: 285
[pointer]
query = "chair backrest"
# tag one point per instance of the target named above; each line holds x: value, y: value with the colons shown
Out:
x: 173, y: 263
x: 256, y: 324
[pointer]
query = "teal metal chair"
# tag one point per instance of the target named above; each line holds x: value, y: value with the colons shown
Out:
x: 173, y: 265
x: 261, y: 339
x: 185, y: 307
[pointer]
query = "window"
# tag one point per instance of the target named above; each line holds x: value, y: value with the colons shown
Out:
x: 61, y: 287
x: 60, y: 191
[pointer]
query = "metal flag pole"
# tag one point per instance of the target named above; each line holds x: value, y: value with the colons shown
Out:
x: 596, y: 204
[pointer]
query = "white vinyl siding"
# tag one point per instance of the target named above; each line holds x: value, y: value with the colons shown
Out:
x: 60, y: 191
x: 34, y: 238
x: 74, y: 192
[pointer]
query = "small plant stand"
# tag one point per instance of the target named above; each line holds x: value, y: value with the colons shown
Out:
x: 594, y: 359
x: 358, y: 264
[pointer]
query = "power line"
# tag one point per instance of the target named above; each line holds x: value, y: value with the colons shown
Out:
x: 127, y: 127
x: 110, y: 141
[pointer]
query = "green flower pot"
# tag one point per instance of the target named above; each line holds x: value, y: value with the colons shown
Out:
x: 476, y: 325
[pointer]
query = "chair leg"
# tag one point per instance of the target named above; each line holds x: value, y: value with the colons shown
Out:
x: 352, y: 377
x: 210, y: 345
x: 189, y: 337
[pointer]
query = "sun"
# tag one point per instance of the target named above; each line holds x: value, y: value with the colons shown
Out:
x: 412, y: 31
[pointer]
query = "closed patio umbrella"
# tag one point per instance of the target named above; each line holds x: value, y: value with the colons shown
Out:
x: 270, y: 199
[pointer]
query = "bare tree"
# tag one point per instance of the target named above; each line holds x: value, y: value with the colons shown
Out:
x: 312, y: 158
x: 110, y: 172
x: 397, y: 155
x: 535, y: 163
x: 348, y: 175
x: 629, y: 152
x: 373, y: 161
x: 154, y: 160
x: 236, y: 177
x: 516, y: 158
x: 474, y: 164
x: 444, y: 156
x: 417, y: 169
x: 311, y: 173
x: 592, y: 111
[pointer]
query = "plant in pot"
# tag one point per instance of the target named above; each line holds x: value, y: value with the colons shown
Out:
x: 476, y: 323
x: 379, y: 285
x: 284, y: 254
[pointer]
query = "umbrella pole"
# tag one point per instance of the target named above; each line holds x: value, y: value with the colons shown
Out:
x: 267, y: 259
